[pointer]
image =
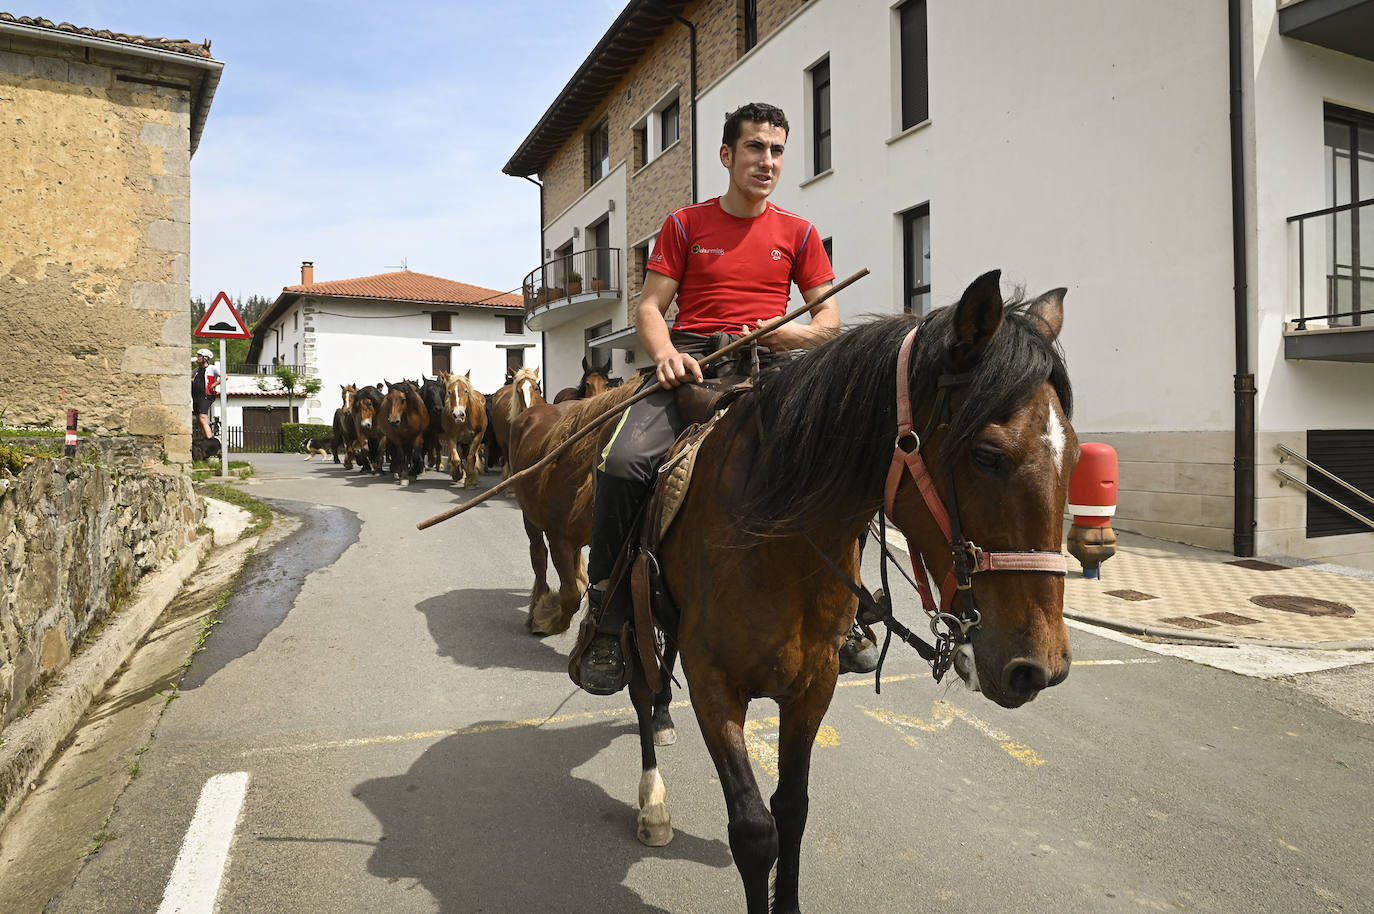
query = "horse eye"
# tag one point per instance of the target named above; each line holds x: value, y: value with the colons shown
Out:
x: 990, y: 459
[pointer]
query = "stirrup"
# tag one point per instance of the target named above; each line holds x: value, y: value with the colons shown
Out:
x: 858, y: 653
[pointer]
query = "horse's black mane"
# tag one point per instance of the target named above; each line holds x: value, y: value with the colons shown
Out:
x: 830, y: 416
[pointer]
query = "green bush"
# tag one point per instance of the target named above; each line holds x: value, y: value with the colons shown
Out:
x: 295, y: 434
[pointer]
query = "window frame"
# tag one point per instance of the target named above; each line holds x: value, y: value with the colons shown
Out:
x: 749, y: 13
x: 913, y: 64
x: 435, y: 358
x: 915, y: 298
x: 599, y: 166
x: 822, y: 155
x: 436, y: 318
x: 648, y: 130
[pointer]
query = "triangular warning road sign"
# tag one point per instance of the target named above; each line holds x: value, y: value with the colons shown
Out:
x: 221, y: 319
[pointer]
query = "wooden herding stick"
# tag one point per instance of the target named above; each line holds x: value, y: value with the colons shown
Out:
x: 617, y: 410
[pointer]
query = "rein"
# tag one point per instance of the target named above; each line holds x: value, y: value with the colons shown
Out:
x: 951, y: 628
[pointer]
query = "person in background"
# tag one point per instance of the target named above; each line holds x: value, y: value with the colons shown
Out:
x: 204, y: 388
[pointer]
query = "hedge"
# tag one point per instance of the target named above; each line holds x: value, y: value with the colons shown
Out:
x: 295, y: 434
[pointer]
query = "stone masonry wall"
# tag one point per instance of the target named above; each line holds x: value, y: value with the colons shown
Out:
x: 95, y: 228
x: 75, y: 538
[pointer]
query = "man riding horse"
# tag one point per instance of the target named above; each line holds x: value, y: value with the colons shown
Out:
x: 730, y: 262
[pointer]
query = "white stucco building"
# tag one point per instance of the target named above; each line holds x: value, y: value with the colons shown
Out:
x: 388, y: 327
x: 1089, y: 145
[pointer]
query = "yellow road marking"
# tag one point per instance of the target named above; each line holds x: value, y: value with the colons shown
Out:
x: 761, y: 739
x: 942, y: 715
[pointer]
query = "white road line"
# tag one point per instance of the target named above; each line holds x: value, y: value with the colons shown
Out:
x: 194, y: 885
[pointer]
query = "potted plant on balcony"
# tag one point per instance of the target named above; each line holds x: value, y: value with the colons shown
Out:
x: 598, y: 285
x: 574, y: 283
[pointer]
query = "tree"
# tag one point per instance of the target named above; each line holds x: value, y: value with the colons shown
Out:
x: 288, y: 381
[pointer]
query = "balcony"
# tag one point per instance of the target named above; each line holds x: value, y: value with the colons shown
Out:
x: 570, y: 286
x: 1335, y: 285
x: 266, y: 370
x: 1341, y: 25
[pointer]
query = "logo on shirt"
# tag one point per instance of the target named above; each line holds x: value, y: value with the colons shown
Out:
x: 698, y: 249
x: 776, y: 254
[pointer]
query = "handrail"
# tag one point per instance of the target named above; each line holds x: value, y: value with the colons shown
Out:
x: 1357, y: 278
x: 1331, y: 210
x: 1286, y: 450
x: 596, y: 269
x: 1284, y: 474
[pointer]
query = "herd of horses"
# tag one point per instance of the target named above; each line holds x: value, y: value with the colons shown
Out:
x: 761, y: 562
x: 407, y: 425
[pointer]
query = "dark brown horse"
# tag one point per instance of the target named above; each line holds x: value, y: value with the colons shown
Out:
x: 595, y: 380
x: 763, y: 616
x: 404, y: 420
x: 557, y: 501
x: 508, y: 403
x: 345, y: 436
x: 367, y: 428
x: 464, y: 424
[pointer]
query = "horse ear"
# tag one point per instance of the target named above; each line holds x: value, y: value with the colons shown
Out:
x: 1049, y: 308
x: 468, y: 374
x: 585, y: 367
x: 977, y: 316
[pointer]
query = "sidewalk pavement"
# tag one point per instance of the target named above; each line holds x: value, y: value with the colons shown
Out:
x: 1185, y: 593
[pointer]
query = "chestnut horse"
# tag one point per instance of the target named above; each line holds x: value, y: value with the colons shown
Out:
x: 595, y: 380
x: 345, y: 436
x: 465, y: 423
x: 404, y: 420
x: 773, y: 508
x: 508, y: 403
x: 557, y: 501
x: 367, y: 428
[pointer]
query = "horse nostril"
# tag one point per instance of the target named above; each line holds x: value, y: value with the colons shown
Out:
x: 1024, y: 677
x: 395, y: 421
x: 1062, y: 674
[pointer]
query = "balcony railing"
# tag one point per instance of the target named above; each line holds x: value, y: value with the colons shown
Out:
x: 595, y: 271
x: 1336, y: 267
x: 263, y: 370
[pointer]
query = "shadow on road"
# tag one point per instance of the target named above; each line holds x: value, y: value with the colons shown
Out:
x: 484, y: 629
x: 494, y: 821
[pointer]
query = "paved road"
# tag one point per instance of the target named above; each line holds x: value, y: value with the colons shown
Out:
x: 405, y: 746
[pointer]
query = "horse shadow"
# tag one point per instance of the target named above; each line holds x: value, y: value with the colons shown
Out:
x: 485, y: 629
x: 494, y: 820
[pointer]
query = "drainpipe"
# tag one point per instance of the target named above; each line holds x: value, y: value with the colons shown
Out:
x: 692, y: 53
x: 1244, y: 541
x: 543, y: 348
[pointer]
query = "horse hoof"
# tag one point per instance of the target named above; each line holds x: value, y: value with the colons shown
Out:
x: 655, y: 829
x: 665, y: 737
x: 405, y: 482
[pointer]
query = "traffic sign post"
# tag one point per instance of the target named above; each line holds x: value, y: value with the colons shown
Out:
x: 222, y: 320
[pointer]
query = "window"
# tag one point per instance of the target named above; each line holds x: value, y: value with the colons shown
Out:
x: 440, y: 322
x: 599, y: 151
x: 1349, y: 267
x: 594, y: 354
x: 915, y: 78
x: 440, y: 359
x: 829, y: 245
x: 295, y: 320
x: 750, y: 15
x: 668, y: 125
x: 820, y: 117
x: 515, y: 325
x: 641, y: 144
x: 515, y: 360
x: 916, y: 260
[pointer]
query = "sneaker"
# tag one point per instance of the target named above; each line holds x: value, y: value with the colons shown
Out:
x: 602, y: 666
x: 858, y: 653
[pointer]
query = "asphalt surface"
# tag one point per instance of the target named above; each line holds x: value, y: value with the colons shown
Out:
x: 410, y: 748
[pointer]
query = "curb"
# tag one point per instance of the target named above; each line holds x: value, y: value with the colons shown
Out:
x: 31, y: 741
x: 1169, y: 634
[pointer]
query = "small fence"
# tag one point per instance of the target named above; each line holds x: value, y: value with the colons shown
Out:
x: 254, y: 440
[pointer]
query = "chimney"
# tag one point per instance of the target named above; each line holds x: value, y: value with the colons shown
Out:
x: 307, y: 272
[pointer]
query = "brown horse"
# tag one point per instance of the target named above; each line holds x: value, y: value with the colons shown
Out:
x: 595, y: 380
x: 748, y: 560
x: 557, y: 501
x: 367, y: 428
x: 345, y: 435
x: 404, y: 420
x: 465, y: 422
x: 508, y: 403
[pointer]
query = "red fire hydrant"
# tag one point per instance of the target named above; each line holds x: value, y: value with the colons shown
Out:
x: 1092, y: 502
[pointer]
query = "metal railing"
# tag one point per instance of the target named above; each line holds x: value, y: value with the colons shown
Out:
x: 1284, y: 477
x: 579, y: 273
x: 1349, y: 282
x: 255, y: 440
x: 262, y: 369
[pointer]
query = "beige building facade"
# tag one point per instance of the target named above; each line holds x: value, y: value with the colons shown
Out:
x: 95, y: 227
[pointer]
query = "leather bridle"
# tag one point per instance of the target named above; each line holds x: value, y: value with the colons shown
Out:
x: 950, y: 626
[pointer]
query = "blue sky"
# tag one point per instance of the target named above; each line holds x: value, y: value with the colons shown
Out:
x: 363, y: 135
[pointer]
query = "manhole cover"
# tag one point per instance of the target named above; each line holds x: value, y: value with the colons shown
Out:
x: 1186, y: 622
x: 1230, y: 619
x: 1257, y: 565
x: 1134, y: 596
x: 1307, y: 606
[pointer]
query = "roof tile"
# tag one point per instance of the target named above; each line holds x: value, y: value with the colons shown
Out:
x: 162, y: 44
x: 409, y: 286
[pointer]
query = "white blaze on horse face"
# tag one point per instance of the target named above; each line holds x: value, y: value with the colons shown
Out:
x: 1055, y: 438
x: 527, y: 391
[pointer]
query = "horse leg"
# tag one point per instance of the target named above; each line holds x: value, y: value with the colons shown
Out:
x: 753, y: 835
x: 800, y: 720
x: 665, y: 734
x: 540, y: 595
x: 454, y: 459
x: 572, y: 583
x: 654, y: 826
x: 472, y: 476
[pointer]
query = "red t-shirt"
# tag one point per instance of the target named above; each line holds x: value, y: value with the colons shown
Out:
x: 733, y: 271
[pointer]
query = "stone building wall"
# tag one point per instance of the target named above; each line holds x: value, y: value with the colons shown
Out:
x: 95, y: 230
x: 75, y: 538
